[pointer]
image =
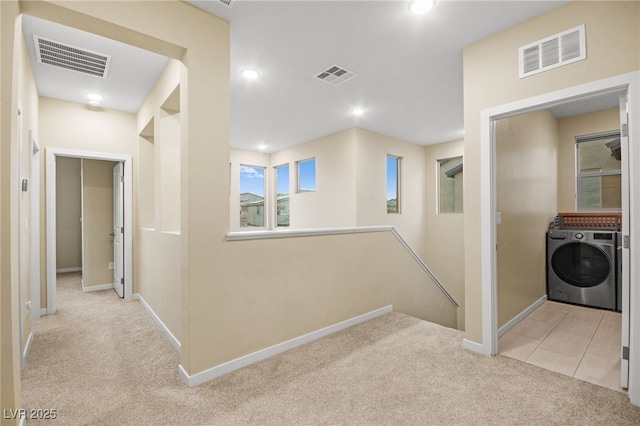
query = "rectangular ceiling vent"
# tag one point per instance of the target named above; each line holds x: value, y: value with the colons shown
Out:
x: 335, y: 75
x: 72, y: 58
x: 229, y: 3
x: 553, y: 52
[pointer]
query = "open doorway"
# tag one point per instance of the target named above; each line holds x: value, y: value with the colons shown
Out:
x: 625, y: 85
x: 578, y: 331
x: 100, y: 173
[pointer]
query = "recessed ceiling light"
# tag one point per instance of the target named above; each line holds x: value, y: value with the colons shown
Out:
x: 262, y: 147
x: 420, y: 7
x: 250, y: 73
x: 358, y: 111
x: 94, y: 97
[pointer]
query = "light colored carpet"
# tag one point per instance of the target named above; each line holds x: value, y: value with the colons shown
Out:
x: 101, y: 360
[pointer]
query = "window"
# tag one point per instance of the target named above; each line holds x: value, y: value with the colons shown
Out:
x: 251, y: 196
x: 599, y: 175
x: 393, y: 184
x: 307, y: 175
x: 282, y: 195
x: 450, y: 183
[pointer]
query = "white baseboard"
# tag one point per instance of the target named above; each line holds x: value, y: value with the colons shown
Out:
x: 475, y: 347
x: 228, y: 367
x: 508, y: 326
x: 63, y: 270
x: 27, y: 347
x: 89, y: 289
x: 175, y: 342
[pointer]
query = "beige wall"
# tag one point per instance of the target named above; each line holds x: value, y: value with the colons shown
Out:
x: 526, y: 185
x: 371, y: 186
x: 491, y: 79
x: 97, y: 222
x: 444, y: 253
x: 323, y: 281
x: 351, y: 180
x: 333, y: 203
x: 29, y: 105
x: 68, y: 214
x: 569, y: 128
x: 158, y: 234
x: 10, y: 98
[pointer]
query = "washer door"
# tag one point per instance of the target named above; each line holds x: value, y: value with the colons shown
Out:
x: 581, y: 264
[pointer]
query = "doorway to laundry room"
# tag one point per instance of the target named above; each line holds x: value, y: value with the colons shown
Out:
x: 557, y: 169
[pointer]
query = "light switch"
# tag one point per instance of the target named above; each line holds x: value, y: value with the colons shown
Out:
x: 498, y: 218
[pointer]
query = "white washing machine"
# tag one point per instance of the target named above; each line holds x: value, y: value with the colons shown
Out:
x: 582, y: 267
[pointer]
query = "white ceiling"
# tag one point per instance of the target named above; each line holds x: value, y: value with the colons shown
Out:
x: 132, y: 71
x: 409, y: 68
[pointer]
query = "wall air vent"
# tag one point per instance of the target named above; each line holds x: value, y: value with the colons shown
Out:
x: 552, y: 52
x: 228, y: 3
x: 72, y: 58
x: 335, y: 75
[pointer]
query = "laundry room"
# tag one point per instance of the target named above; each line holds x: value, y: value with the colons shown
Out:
x: 559, y: 190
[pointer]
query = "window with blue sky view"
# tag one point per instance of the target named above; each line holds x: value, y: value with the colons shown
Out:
x: 393, y: 182
x: 252, y: 183
x: 282, y: 195
x: 307, y: 175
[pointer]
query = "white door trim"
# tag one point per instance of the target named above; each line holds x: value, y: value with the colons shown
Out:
x: 34, y: 222
x: 626, y: 82
x: 50, y: 186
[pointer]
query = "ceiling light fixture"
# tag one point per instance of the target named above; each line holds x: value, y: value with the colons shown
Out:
x: 94, y: 97
x: 250, y: 73
x: 358, y: 111
x: 420, y: 7
x: 262, y: 147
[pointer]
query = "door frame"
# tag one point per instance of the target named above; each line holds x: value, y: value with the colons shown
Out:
x: 34, y: 222
x: 50, y: 187
x: 629, y: 83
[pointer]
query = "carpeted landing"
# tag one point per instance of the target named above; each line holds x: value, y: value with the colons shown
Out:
x: 101, y: 360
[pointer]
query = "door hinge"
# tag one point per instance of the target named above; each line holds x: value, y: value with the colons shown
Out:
x: 122, y: 281
x: 122, y: 179
x: 624, y: 130
x: 625, y: 353
x: 122, y: 229
x: 625, y: 241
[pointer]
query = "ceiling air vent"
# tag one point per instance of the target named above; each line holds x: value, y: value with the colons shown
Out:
x: 72, y: 58
x: 335, y: 75
x: 228, y: 3
x: 552, y: 52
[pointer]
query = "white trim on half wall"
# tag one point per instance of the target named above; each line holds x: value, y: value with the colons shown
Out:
x: 228, y: 367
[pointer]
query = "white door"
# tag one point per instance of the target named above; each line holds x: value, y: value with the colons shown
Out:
x: 118, y: 229
x: 624, y: 270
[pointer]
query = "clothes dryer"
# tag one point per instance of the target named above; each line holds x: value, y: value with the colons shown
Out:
x: 581, y: 267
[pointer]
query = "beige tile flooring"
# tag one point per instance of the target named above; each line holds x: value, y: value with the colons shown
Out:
x: 574, y: 340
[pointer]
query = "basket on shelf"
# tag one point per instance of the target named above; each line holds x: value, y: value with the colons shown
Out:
x: 610, y: 221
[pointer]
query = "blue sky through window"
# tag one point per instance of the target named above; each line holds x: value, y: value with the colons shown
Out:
x: 252, y: 180
x: 392, y: 177
x: 307, y: 175
x: 282, y: 179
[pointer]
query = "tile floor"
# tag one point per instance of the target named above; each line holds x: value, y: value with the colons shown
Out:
x: 574, y: 340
